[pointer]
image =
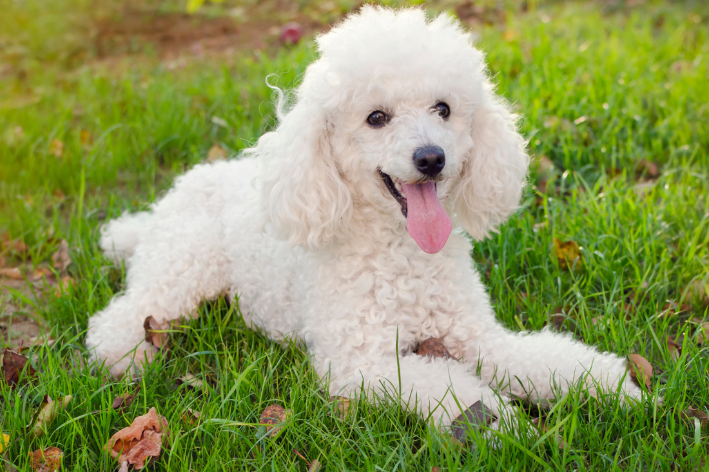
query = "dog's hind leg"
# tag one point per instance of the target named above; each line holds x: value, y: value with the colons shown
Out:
x: 121, y: 236
x: 174, y: 267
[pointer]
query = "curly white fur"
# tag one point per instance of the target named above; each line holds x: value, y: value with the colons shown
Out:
x: 304, y: 231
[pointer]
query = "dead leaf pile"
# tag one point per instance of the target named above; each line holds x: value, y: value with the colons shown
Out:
x: 47, y: 412
x: 47, y: 460
x: 568, y: 253
x: 143, y: 439
x: 14, y: 366
x: 273, y: 418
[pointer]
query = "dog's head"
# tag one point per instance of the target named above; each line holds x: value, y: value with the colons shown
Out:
x: 396, y: 115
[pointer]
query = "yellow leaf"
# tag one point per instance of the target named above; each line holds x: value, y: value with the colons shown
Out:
x: 568, y: 253
x: 4, y: 441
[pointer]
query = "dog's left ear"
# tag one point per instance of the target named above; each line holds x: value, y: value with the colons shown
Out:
x: 494, y: 172
x: 303, y: 195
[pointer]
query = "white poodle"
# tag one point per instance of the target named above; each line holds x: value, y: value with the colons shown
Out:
x: 344, y: 228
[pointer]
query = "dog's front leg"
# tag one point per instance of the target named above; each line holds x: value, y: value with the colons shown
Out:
x: 439, y: 389
x: 545, y: 363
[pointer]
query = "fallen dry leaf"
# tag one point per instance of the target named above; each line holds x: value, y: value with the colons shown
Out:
x: 216, y: 153
x: 476, y: 415
x: 152, y: 333
x: 291, y: 33
x: 125, y: 400
x: 699, y: 290
x: 49, y: 410
x: 86, y: 138
x: 13, y: 366
x: 63, y: 285
x: 649, y: 167
x: 568, y: 254
x: 640, y: 370
x: 191, y: 417
x: 191, y: 381
x: 674, y: 348
x: 48, y: 460
x: 61, y: 259
x: 342, y: 405
x: 690, y: 413
x: 42, y: 272
x: 139, y: 441
x: 272, y: 418
x: 433, y: 347
x: 315, y: 466
x: 703, y: 333
x: 56, y: 147
x: 11, y: 273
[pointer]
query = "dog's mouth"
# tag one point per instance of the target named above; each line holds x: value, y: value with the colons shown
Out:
x: 426, y: 219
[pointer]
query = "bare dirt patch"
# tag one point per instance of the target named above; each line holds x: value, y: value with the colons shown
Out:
x: 173, y: 34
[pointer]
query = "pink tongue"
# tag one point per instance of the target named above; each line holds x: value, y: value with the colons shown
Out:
x: 426, y: 220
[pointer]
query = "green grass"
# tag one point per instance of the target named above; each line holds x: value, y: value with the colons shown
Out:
x: 637, y: 75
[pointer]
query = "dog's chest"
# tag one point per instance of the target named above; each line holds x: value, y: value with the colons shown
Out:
x: 402, y: 287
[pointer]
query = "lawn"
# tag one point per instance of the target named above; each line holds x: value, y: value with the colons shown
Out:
x: 615, y: 106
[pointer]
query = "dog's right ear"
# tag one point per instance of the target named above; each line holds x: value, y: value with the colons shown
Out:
x: 303, y: 196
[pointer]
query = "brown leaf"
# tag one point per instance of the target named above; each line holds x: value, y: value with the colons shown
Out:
x: 433, y: 347
x: 191, y: 381
x: 216, y: 153
x: 11, y: 273
x: 56, y: 147
x: 640, y: 370
x: 139, y: 441
x: 649, y: 167
x: 41, y: 272
x: 342, y: 405
x: 63, y: 285
x: 272, y: 417
x: 568, y: 254
x: 315, y: 466
x: 690, y: 413
x: 61, y: 259
x: 703, y: 333
x: 563, y: 322
x: 48, y: 460
x: 125, y: 400
x: 191, y: 417
x: 13, y: 366
x: 86, y: 138
x: 699, y: 290
x: 49, y: 410
x: 152, y: 333
x: 674, y: 348
x: 478, y: 414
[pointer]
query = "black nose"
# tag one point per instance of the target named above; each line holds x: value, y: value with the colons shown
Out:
x: 429, y: 160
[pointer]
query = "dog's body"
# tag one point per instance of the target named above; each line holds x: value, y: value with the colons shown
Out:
x: 310, y: 229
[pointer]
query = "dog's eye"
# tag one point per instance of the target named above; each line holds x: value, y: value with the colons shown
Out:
x: 442, y: 109
x: 377, y: 118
